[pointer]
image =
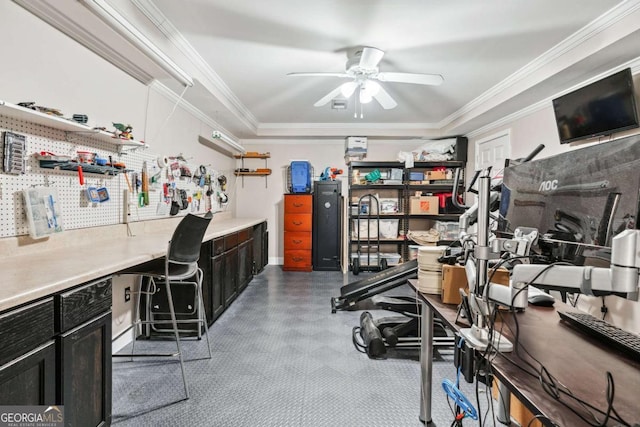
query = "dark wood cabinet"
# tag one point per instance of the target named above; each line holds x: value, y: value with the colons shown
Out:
x: 31, y: 378
x: 85, y: 373
x: 259, y: 247
x: 84, y: 353
x: 217, y: 286
x: 27, y: 355
x: 57, y: 351
x: 230, y: 275
x: 245, y: 258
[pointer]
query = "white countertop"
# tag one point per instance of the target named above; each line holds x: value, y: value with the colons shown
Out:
x: 32, y: 275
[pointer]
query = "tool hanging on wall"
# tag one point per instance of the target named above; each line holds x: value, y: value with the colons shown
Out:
x: 145, y: 184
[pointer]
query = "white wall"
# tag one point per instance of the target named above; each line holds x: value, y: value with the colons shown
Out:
x: 254, y: 199
x: 41, y: 64
x: 539, y: 128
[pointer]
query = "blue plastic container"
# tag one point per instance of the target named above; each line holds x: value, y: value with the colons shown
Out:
x: 300, y: 177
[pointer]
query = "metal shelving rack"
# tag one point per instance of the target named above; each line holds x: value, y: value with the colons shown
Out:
x: 403, y: 191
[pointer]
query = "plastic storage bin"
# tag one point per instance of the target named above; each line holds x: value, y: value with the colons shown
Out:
x: 300, y: 172
x: 447, y: 230
x: 388, y: 228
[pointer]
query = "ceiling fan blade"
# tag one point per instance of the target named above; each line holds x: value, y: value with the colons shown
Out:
x: 348, y: 88
x: 319, y: 74
x: 384, y: 99
x: 328, y: 97
x: 419, y: 79
x: 370, y: 57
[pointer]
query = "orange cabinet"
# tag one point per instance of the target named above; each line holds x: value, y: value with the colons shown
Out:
x: 298, y: 224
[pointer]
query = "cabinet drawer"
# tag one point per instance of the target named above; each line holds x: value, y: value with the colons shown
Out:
x: 244, y: 235
x: 230, y: 241
x: 298, y: 203
x: 218, y: 246
x: 294, y: 240
x: 25, y: 328
x: 297, y: 222
x: 297, y: 260
x: 81, y: 304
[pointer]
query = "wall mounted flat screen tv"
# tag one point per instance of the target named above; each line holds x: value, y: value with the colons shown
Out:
x: 601, y: 108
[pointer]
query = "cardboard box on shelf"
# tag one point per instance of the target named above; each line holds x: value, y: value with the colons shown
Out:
x: 454, y: 277
x: 427, y: 205
x: 436, y: 175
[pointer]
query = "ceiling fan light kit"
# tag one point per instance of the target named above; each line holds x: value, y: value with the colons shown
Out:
x: 362, y: 69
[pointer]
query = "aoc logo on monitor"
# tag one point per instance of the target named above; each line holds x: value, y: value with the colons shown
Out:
x: 548, y: 185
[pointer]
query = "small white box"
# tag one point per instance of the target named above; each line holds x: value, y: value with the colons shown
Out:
x: 355, y: 145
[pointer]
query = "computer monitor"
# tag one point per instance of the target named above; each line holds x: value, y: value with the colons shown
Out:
x: 578, y: 200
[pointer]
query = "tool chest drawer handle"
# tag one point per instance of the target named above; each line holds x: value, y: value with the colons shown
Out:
x: 297, y: 242
x: 297, y: 258
x: 297, y: 222
x: 298, y: 205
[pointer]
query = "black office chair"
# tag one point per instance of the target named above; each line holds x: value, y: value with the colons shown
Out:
x: 179, y: 267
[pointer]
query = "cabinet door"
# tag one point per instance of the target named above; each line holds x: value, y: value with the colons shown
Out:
x: 245, y: 261
x: 31, y: 378
x: 265, y: 249
x: 217, y: 286
x: 230, y: 275
x: 258, y: 230
x: 85, y: 373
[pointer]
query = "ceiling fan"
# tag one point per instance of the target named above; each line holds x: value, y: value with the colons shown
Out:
x: 362, y: 70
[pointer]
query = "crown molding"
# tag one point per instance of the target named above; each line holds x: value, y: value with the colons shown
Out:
x: 48, y: 13
x: 212, y: 80
x: 595, y: 27
x: 634, y: 64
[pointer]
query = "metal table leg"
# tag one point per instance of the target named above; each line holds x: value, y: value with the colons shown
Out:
x: 426, y: 363
x: 504, y: 404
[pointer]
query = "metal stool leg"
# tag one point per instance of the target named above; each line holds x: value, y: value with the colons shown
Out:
x: 177, y: 335
x: 136, y: 316
x: 202, y: 314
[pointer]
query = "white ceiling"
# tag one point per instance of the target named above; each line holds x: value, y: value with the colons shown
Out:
x: 496, y: 57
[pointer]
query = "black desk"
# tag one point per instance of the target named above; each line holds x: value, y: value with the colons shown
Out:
x: 574, y: 359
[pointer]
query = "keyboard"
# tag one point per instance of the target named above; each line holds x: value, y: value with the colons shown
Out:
x: 606, y: 333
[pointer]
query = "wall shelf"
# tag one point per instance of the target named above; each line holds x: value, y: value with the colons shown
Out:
x: 86, y: 167
x: 242, y: 171
x: 252, y: 155
x: 70, y: 127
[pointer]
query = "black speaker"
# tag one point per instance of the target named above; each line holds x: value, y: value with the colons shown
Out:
x: 327, y: 230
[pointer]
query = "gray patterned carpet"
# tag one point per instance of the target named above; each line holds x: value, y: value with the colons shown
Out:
x: 280, y: 358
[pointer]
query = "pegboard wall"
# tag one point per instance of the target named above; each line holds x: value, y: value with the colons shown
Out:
x: 77, y: 210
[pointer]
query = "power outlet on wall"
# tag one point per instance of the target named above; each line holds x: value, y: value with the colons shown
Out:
x: 127, y: 294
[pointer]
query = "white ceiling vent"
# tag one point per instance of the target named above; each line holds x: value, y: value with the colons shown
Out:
x: 339, y: 104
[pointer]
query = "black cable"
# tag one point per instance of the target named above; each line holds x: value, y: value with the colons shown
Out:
x: 478, y: 402
x: 604, y: 309
x: 548, y: 382
x: 541, y: 417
